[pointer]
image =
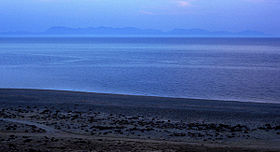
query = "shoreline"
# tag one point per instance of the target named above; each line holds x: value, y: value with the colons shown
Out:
x: 67, y: 121
x: 152, y: 96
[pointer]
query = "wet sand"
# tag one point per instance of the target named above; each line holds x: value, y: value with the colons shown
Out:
x: 46, y: 120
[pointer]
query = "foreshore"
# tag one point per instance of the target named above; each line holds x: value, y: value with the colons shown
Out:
x: 49, y: 120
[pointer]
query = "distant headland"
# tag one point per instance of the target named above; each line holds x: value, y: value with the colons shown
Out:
x: 133, y: 31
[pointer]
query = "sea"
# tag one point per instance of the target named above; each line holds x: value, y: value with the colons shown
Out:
x: 228, y: 69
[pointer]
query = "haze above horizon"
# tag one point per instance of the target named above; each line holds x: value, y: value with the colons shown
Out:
x: 165, y: 15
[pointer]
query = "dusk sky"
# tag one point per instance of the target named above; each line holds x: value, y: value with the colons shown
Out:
x: 214, y: 15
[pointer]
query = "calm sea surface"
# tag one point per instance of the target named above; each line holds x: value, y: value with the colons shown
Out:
x: 205, y: 68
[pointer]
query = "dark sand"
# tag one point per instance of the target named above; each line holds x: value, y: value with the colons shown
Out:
x: 44, y: 120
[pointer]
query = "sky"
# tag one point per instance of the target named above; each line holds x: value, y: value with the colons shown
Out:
x: 213, y: 15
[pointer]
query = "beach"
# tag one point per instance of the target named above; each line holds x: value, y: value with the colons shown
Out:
x: 50, y: 120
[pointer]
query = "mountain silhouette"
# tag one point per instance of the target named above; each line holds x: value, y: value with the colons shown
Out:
x: 128, y: 31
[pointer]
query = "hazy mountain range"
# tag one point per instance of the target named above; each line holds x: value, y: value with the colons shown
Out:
x: 132, y: 31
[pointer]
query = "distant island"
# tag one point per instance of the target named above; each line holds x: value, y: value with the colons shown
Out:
x: 132, y: 31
